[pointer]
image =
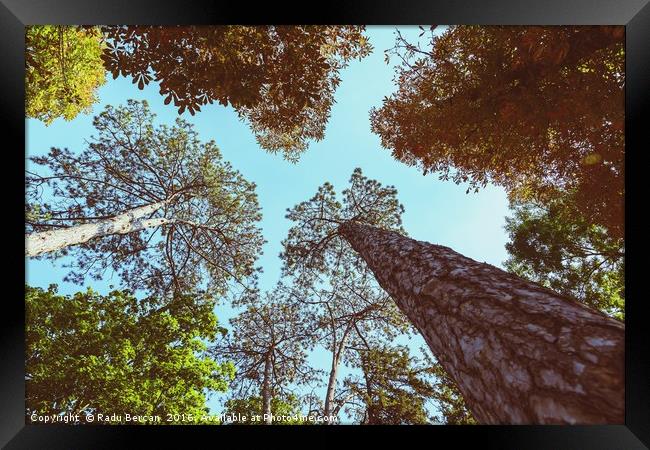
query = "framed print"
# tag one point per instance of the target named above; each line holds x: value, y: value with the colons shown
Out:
x: 377, y: 221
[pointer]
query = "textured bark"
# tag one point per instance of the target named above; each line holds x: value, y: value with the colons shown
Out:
x: 128, y: 222
x: 266, y: 391
x: 519, y: 353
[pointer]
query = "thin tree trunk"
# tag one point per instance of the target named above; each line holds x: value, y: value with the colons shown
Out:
x: 519, y: 353
x: 331, y: 383
x: 266, y: 391
x: 128, y: 222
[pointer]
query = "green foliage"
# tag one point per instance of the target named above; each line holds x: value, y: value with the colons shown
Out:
x: 281, y: 79
x: 63, y: 70
x: 538, y: 110
x: 397, y: 388
x: 554, y: 245
x: 207, y: 235
x: 287, y: 406
x: 392, y: 389
x: 89, y: 353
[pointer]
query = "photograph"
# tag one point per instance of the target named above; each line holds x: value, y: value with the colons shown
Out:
x: 324, y: 225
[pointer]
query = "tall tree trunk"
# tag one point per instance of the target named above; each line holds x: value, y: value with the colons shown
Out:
x: 266, y: 391
x: 128, y: 222
x: 519, y: 353
x: 331, y: 383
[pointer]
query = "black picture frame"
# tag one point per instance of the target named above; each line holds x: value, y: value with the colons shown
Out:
x: 634, y: 14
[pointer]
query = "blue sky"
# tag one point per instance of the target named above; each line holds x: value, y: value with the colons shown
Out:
x: 436, y: 211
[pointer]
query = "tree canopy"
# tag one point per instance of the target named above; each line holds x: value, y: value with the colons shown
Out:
x: 268, y: 344
x: 313, y: 243
x: 348, y: 305
x: 552, y: 244
x: 281, y: 79
x: 116, y: 354
x: 538, y: 110
x: 202, y: 228
x: 393, y: 387
x: 63, y: 70
x: 345, y: 308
